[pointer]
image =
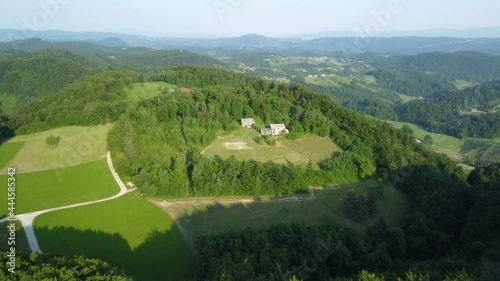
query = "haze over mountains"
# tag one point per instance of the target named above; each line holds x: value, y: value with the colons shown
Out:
x: 322, y: 43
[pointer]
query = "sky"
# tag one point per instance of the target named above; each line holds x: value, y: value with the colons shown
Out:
x: 217, y: 18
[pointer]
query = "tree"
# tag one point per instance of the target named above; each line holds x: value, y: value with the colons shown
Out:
x: 50, y: 140
x: 53, y: 140
x: 407, y: 129
x: 428, y: 140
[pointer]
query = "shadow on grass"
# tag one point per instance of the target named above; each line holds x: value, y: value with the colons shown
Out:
x: 162, y: 256
x: 323, y: 206
x: 470, y: 145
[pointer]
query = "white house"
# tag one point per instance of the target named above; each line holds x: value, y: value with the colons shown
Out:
x: 278, y: 129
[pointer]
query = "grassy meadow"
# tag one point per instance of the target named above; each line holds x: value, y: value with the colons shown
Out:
x: 148, y: 90
x: 130, y: 233
x: 47, y: 189
x: 241, y: 145
x: 78, y: 145
x: 477, y: 150
x: 323, y: 205
x: 8, y: 151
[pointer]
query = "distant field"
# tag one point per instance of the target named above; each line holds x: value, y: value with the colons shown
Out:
x: 482, y: 150
x: 407, y: 98
x: 457, y: 149
x: 130, y: 233
x: 21, y: 240
x: 198, y: 217
x: 148, y: 90
x: 8, y: 151
x: 461, y: 84
x: 443, y: 143
x: 242, y: 146
x: 41, y: 190
x: 78, y: 145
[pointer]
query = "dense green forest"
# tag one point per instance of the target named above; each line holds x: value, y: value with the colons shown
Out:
x: 6, y: 128
x: 410, y: 82
x: 27, y: 76
x: 467, y: 66
x: 450, y: 235
x: 157, y: 143
x: 34, y: 266
x: 92, y: 100
x: 442, y: 112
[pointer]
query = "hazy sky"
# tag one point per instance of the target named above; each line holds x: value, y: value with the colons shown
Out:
x: 238, y: 17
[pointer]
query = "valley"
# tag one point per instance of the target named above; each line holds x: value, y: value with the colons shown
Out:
x: 138, y: 160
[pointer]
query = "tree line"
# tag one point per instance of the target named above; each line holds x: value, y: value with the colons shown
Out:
x: 449, y: 236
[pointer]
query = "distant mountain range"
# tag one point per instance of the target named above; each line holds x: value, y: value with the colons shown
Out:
x: 257, y: 43
x: 487, y: 32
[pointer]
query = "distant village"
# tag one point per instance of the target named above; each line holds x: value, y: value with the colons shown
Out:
x: 475, y: 110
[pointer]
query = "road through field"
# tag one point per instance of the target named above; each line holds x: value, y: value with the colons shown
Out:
x: 28, y: 218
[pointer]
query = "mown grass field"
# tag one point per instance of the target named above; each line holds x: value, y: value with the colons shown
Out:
x: 78, y: 145
x: 148, y: 90
x: 241, y: 145
x: 197, y: 218
x: 8, y: 151
x: 130, y: 233
x: 42, y: 190
x: 21, y: 240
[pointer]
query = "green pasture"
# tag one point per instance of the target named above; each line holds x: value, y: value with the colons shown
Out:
x: 78, y: 145
x: 148, y: 90
x: 325, y: 205
x: 130, y: 233
x: 242, y: 146
x: 48, y: 189
x: 8, y: 151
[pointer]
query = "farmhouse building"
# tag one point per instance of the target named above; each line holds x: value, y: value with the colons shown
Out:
x: 248, y: 123
x: 275, y: 129
x: 278, y: 129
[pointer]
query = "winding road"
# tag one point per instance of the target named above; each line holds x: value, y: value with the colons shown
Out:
x: 28, y: 218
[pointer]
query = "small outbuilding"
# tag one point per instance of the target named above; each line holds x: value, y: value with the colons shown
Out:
x: 266, y: 131
x: 248, y: 123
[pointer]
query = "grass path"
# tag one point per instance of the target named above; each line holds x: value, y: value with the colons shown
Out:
x: 49, y: 189
x: 27, y: 219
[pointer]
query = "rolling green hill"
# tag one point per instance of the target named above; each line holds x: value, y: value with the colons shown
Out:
x: 410, y: 82
x: 470, y: 66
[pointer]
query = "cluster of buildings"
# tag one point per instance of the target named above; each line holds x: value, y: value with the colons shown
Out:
x: 273, y: 130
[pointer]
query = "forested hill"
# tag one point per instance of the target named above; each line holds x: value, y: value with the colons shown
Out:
x: 90, y: 100
x: 157, y: 143
x: 408, y: 81
x: 468, y: 66
x: 444, y: 112
x: 26, y: 76
x: 115, y: 55
x: 167, y: 59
